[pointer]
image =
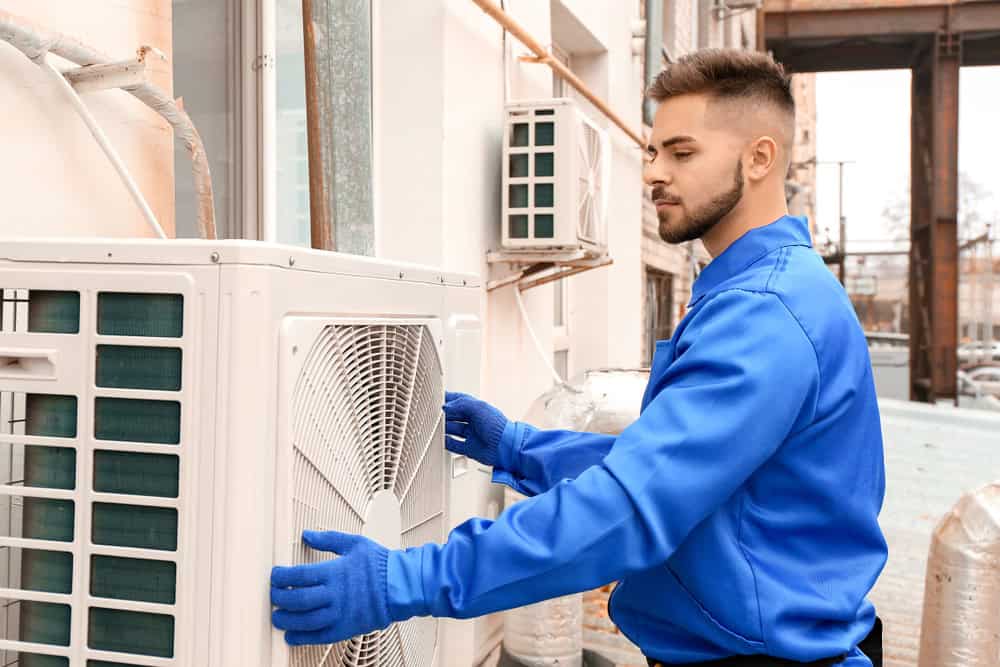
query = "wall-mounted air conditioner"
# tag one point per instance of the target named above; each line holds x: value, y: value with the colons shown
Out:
x: 174, y: 414
x: 555, y: 177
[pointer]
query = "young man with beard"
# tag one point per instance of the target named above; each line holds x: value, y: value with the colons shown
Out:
x: 739, y: 512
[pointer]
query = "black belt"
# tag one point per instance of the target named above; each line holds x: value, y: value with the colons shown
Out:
x: 752, y: 661
x: 871, y: 646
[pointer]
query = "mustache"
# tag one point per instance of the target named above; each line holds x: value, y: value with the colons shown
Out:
x: 659, y: 192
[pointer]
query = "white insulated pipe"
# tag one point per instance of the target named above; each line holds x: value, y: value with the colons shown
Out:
x: 102, y: 141
x: 36, y: 44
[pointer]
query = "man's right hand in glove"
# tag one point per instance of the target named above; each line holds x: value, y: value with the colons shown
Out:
x: 474, y: 428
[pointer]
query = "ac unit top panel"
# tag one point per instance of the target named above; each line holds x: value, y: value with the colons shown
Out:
x: 542, y: 101
x: 195, y: 252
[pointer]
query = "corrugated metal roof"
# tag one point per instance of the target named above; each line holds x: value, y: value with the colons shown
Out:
x: 933, y: 454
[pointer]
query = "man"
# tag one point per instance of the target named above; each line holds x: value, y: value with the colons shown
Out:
x: 739, y: 512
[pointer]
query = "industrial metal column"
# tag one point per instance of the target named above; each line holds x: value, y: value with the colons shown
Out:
x: 934, y: 219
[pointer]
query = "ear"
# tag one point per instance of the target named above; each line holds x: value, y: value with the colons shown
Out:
x: 763, y: 158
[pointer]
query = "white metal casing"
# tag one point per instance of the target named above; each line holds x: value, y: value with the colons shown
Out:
x: 249, y: 310
x: 579, y: 177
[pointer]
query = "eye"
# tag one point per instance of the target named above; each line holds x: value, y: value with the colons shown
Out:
x: 682, y: 155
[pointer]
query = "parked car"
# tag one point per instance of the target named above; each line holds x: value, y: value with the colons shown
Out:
x: 985, y: 378
x: 979, y: 352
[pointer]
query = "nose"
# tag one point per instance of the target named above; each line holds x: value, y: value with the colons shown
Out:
x: 654, y: 172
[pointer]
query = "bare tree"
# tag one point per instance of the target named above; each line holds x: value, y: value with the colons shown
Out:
x: 977, y: 207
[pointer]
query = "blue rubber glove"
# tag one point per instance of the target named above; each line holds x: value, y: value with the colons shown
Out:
x: 322, y: 603
x: 473, y: 428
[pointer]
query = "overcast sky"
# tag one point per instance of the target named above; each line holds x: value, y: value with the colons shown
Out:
x: 865, y: 117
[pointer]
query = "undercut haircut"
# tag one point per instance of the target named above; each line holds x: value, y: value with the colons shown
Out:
x: 729, y: 75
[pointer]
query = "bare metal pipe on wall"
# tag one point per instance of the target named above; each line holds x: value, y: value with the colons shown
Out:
x: 543, y: 56
x: 321, y: 227
x: 961, y: 617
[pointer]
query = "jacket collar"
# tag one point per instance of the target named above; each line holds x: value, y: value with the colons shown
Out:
x: 785, y: 231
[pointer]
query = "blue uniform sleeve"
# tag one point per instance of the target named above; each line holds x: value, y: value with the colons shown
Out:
x: 535, y: 460
x: 745, y: 378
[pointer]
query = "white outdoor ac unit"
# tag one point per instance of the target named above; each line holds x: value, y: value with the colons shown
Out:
x: 175, y: 413
x: 555, y: 178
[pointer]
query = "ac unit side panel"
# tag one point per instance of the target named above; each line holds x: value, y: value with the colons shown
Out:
x: 103, y: 411
x: 567, y: 186
x: 471, y: 492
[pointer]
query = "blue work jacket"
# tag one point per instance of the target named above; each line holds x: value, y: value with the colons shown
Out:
x: 739, y: 511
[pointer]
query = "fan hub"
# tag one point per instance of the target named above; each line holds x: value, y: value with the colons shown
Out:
x: 383, y: 520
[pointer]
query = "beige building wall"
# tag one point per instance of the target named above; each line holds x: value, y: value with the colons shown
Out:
x: 56, y: 179
x: 802, y: 174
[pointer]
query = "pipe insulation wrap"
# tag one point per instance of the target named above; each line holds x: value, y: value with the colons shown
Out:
x: 547, y: 633
x: 961, y: 616
x: 551, y: 633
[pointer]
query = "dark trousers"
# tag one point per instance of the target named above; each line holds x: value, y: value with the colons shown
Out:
x: 871, y: 646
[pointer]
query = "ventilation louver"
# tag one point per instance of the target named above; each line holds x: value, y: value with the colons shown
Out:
x: 590, y: 168
x: 368, y: 440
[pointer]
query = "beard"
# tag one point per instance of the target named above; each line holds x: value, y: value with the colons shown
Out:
x: 697, y: 223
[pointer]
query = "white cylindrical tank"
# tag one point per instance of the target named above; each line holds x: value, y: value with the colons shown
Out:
x: 548, y: 633
x: 961, y: 617
x: 55, y: 178
x: 551, y: 633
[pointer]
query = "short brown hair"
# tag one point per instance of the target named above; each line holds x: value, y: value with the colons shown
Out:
x: 726, y: 74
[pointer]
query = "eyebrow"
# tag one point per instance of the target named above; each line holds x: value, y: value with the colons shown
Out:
x: 667, y: 143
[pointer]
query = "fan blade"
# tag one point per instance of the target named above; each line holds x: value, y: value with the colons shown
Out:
x: 430, y: 529
x: 419, y: 639
x: 437, y: 434
x: 403, y: 365
x: 424, y: 413
x: 330, y: 655
x: 361, y: 366
x: 316, y: 505
x: 390, y: 648
x: 324, y: 427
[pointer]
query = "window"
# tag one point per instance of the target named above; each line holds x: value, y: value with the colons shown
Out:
x: 670, y: 35
x: 559, y: 303
x: 559, y: 87
x: 659, y: 309
x: 206, y: 67
x: 344, y: 76
x: 560, y: 361
x: 560, y: 325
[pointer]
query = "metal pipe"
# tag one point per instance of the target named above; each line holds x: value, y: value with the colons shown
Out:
x: 843, y: 225
x: 543, y: 56
x: 102, y: 141
x: 35, y: 44
x: 654, y: 47
x: 321, y: 229
x: 267, y: 195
